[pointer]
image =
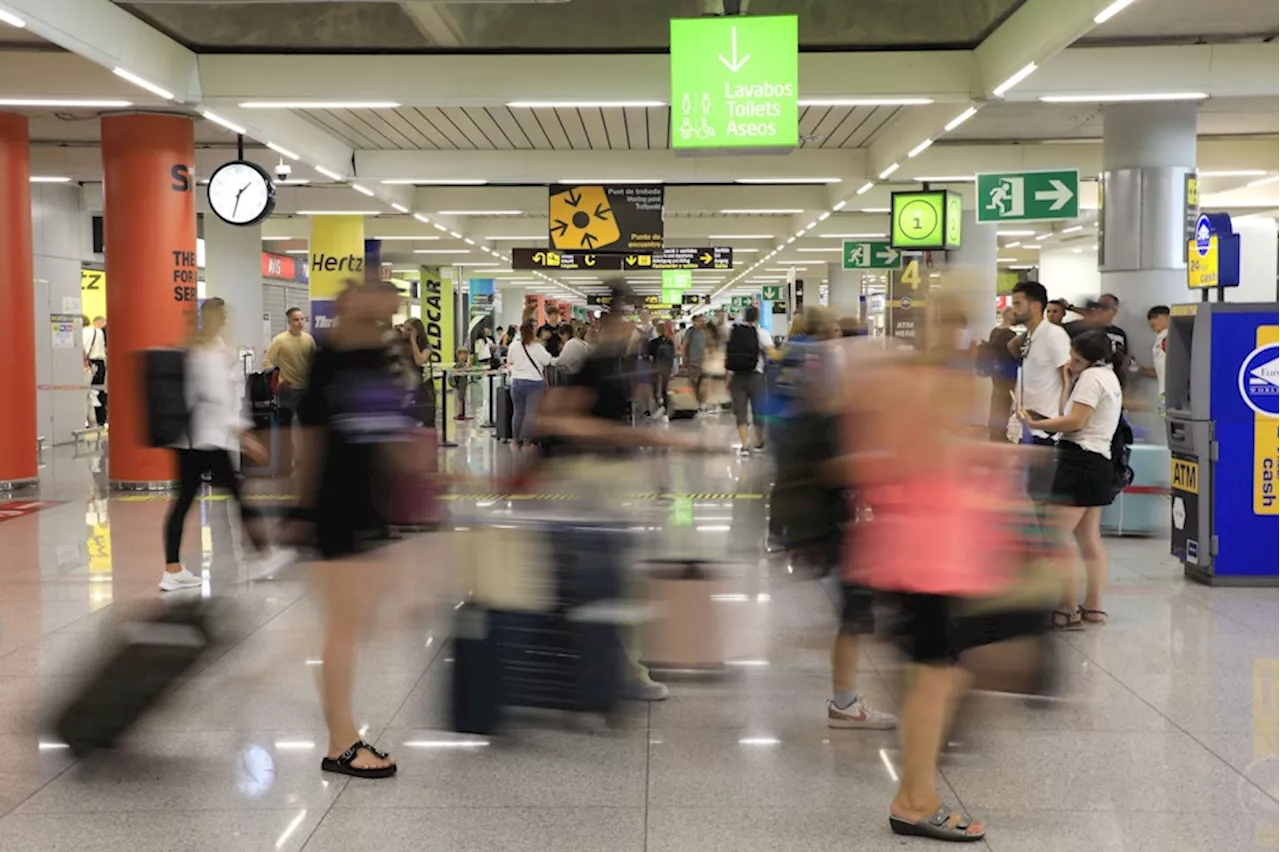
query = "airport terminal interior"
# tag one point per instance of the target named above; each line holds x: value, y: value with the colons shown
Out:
x: 486, y: 162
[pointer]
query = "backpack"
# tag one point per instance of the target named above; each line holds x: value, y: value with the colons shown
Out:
x: 743, y: 351
x: 1121, y: 473
x: 665, y: 351
x: 168, y: 417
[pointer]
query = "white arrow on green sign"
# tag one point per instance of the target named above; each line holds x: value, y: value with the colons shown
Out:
x: 735, y: 82
x: 771, y: 293
x: 871, y: 254
x: 1028, y: 196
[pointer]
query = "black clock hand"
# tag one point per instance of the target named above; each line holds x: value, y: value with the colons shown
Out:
x: 236, y: 206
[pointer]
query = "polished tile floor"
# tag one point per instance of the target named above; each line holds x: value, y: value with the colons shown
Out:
x: 1166, y: 741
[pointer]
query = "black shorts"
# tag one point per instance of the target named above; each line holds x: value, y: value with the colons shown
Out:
x: 857, y: 610
x: 1082, y: 477
x: 1041, y: 469
x: 929, y: 630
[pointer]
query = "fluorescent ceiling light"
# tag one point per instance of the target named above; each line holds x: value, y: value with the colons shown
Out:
x: 284, y: 152
x: 1015, y: 233
x: 1013, y: 244
x: 276, y: 237
x: 739, y: 236
x: 1023, y: 266
x: 851, y: 236
x: 890, y: 170
x: 293, y: 182
x: 1073, y: 229
x: 469, y: 241
x: 329, y: 173
x: 607, y: 181
x: 745, y: 250
x: 49, y: 179
x: 497, y: 237
x: 423, y: 219
x: 815, y: 250
x: 1044, y: 236
x: 780, y: 211
x: 219, y: 120
x: 479, y: 212
x: 434, y: 182
x: 65, y: 102
x: 145, y: 84
x: 476, y: 263
x: 455, y: 235
x: 875, y: 209
x: 825, y: 216
x: 919, y: 149
x: 1006, y: 260
x: 786, y: 180
x: 1021, y: 74
x: 1123, y: 98
x: 960, y: 119
x: 319, y: 105
x: 11, y: 19
x: 442, y: 251
x: 584, y: 104
x: 839, y: 205
x: 866, y: 187
x: 399, y: 207
x: 295, y: 251
x: 835, y: 102
x: 1233, y: 173
x: 414, y: 237
x: 944, y: 179
x: 435, y: 225
x: 1111, y: 11
x: 338, y: 213
x: 363, y: 190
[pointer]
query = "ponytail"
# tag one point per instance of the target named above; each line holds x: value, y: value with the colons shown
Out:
x: 1096, y: 347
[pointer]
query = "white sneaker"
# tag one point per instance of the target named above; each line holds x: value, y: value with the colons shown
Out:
x: 647, y: 689
x: 271, y: 563
x: 859, y: 715
x: 172, y: 581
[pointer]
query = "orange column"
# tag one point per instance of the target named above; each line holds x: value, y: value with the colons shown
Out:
x: 18, y: 463
x: 150, y: 222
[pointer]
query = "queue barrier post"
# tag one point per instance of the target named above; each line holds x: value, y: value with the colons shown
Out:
x: 444, y: 410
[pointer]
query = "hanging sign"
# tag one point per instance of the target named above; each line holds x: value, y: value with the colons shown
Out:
x: 615, y: 218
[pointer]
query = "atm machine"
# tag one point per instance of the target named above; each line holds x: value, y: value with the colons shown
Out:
x: 1222, y: 400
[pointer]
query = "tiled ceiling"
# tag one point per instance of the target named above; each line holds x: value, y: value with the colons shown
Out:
x: 574, y: 129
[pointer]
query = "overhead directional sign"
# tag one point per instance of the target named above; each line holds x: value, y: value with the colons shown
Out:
x: 677, y: 279
x: 719, y: 257
x: 735, y: 83
x: 1028, y: 196
x: 614, y: 218
x: 871, y: 254
x: 925, y: 220
x: 772, y: 293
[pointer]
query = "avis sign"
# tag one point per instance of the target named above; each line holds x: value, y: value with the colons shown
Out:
x: 871, y: 254
x: 1029, y: 196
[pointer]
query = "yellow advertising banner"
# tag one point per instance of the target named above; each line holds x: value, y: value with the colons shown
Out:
x: 93, y: 293
x: 436, y: 293
x: 337, y: 254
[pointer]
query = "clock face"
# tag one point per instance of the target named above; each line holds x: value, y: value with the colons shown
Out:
x: 241, y: 193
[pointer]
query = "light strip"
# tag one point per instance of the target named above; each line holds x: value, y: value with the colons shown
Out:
x: 850, y: 237
x: 219, y: 120
x: 1006, y: 260
x: 1016, y: 233
x: 944, y: 179
x: 801, y: 180
x: 819, y: 249
x: 145, y: 84
x: 960, y: 119
x: 1021, y: 74
x: 1111, y: 11
x: 363, y: 190
x: 890, y: 170
x: 319, y: 105
x: 479, y: 212
x: 586, y: 104
x: 400, y: 208
x: 919, y: 149
x: 781, y: 211
x: 1073, y: 229
x: 338, y: 213
x: 866, y: 187
x: 329, y: 173
x: 408, y: 237
x: 433, y: 182
x: 739, y: 236
x: 875, y: 209
x: 835, y: 102
x: 497, y: 237
x: 1133, y: 97
x: 1233, y: 173
x: 423, y: 219
x: 49, y: 179
x: 442, y: 251
x: 839, y: 205
x: 65, y: 102
x: 282, y: 151
x: 11, y: 19
x: 609, y: 181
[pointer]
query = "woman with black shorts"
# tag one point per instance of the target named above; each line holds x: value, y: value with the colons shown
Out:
x: 1082, y: 482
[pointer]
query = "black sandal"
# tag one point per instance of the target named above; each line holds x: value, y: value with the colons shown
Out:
x: 1092, y: 616
x: 1063, y: 620
x: 937, y: 827
x: 342, y: 763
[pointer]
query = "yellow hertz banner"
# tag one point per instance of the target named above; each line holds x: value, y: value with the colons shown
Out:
x: 1266, y: 444
x: 93, y: 293
x: 337, y: 253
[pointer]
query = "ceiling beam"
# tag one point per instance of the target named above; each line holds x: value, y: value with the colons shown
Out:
x: 1035, y: 32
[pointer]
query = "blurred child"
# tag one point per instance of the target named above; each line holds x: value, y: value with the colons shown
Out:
x: 460, y: 381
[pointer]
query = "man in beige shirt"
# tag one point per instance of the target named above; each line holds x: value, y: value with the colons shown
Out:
x: 291, y: 352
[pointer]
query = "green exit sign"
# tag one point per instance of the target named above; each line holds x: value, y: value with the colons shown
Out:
x: 735, y: 83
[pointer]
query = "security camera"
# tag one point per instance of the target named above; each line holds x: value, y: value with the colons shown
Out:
x: 283, y: 171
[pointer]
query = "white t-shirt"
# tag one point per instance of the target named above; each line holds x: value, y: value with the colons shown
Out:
x: 1040, y: 375
x: 213, y: 380
x: 95, y: 343
x: 1098, y: 388
x: 483, y: 352
x: 1159, y: 351
x: 526, y: 363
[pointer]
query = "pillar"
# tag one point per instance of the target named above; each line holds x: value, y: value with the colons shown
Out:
x: 971, y: 273
x: 19, y: 465
x: 1148, y: 153
x: 233, y: 272
x: 337, y: 256
x: 512, y: 306
x: 150, y: 250
x: 844, y: 292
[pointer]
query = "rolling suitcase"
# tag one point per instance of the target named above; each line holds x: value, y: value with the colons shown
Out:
x: 502, y: 417
x: 152, y: 655
x: 682, y: 400
x: 413, y: 500
x: 687, y: 631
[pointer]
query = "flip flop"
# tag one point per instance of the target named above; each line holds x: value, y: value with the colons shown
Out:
x: 1092, y: 616
x: 1062, y: 620
x: 938, y: 827
x: 342, y: 763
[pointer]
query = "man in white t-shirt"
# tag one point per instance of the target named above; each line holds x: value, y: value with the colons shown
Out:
x: 1043, y: 352
x: 1158, y: 319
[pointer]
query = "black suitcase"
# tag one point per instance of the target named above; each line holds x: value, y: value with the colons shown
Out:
x: 165, y: 377
x: 502, y: 417
x: 152, y: 655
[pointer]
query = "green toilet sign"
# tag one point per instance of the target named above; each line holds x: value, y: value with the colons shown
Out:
x: 871, y: 254
x: 735, y: 83
x: 1028, y: 196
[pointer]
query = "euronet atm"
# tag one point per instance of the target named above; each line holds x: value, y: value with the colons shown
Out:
x: 1222, y: 400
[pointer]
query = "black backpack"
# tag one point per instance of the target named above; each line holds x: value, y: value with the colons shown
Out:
x: 1121, y: 473
x: 165, y: 374
x: 743, y: 351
